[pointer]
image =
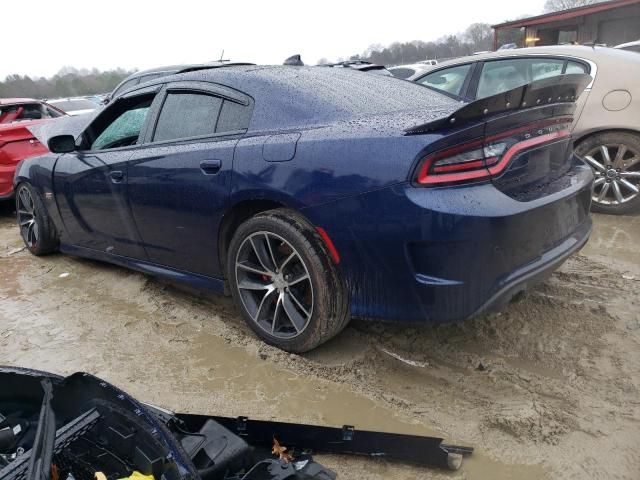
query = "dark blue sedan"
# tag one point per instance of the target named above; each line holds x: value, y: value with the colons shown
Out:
x: 314, y: 195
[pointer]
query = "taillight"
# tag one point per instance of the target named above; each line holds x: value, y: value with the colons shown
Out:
x: 486, y: 157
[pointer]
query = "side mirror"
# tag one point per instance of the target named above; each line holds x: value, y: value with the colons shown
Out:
x: 62, y: 144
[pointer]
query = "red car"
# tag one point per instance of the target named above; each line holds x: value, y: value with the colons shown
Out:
x: 16, y: 141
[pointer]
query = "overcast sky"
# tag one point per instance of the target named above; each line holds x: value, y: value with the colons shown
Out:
x: 41, y: 36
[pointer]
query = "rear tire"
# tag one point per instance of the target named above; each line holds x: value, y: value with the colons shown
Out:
x: 615, y: 160
x: 285, y: 283
x: 36, y: 228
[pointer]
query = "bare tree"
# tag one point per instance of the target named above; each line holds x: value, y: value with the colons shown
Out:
x: 480, y: 35
x: 556, y: 5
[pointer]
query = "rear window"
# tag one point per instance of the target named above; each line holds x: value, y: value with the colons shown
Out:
x: 25, y: 111
x: 73, y: 105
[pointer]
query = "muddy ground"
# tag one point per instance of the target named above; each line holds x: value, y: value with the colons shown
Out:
x: 549, y: 388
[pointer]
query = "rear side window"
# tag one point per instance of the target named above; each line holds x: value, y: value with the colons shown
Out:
x: 575, y: 67
x: 545, y: 68
x: 186, y: 115
x: 449, y: 80
x: 402, y: 72
x: 233, y: 116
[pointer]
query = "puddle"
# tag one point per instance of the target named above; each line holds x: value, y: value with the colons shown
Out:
x: 616, y: 238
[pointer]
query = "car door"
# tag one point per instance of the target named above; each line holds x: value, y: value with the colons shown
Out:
x: 179, y: 183
x: 452, y: 81
x: 90, y: 183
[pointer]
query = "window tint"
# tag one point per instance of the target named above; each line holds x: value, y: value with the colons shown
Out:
x: 233, y: 116
x: 575, y: 67
x: 125, y: 86
x: 501, y: 75
x: 121, y: 125
x: 402, y: 72
x: 545, y: 68
x: 187, y: 115
x: 450, y: 80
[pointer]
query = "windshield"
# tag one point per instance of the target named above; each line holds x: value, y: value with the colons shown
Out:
x: 26, y: 111
x: 73, y: 105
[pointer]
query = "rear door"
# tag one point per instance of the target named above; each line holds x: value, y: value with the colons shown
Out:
x: 179, y: 183
x: 90, y: 183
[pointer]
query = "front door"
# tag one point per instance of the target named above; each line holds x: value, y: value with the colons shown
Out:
x: 91, y: 183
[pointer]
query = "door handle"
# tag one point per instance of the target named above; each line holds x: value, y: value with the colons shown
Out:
x: 210, y: 167
x: 117, y: 176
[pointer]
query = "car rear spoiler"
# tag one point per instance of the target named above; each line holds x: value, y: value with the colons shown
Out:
x: 561, y: 89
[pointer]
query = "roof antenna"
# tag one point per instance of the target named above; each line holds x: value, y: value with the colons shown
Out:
x: 222, y: 59
x: 294, y: 60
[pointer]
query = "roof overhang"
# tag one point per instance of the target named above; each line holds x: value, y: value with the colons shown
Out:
x: 566, y: 14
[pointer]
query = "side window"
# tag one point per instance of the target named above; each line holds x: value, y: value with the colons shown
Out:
x: 449, y: 80
x: 575, y: 67
x: 501, y: 75
x: 544, y: 68
x: 402, y: 72
x: 121, y: 124
x: 233, y: 116
x: 125, y: 86
x: 187, y: 114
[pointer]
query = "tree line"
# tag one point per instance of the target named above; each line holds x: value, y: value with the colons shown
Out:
x: 68, y: 82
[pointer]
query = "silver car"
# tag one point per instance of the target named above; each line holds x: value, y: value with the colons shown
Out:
x: 606, y: 128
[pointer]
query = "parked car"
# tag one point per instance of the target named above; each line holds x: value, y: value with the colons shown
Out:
x: 16, y: 141
x: 631, y: 46
x: 407, y: 71
x: 606, y: 130
x: 75, y: 105
x: 153, y: 73
x: 316, y: 194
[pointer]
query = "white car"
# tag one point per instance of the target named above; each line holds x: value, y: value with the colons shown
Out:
x: 631, y: 46
x: 74, y: 106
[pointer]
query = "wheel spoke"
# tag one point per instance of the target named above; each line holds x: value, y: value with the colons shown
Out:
x: 26, y: 222
x: 299, y: 304
x: 246, y: 284
x: 599, y: 181
x: 617, y: 192
x: 297, y: 320
x: 299, y: 279
x: 275, y: 313
x: 629, y: 185
x: 263, y: 302
x: 603, y: 192
x: 630, y: 174
x: 630, y: 162
x: 253, y: 269
x: 594, y: 163
x: 605, y: 154
x: 622, y: 151
x: 287, y: 260
x: 271, y: 255
x: 261, y: 254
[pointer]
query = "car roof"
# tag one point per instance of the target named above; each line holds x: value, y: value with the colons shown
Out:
x: 315, y: 95
x: 415, y: 66
x: 11, y: 101
x: 581, y: 51
x: 628, y: 44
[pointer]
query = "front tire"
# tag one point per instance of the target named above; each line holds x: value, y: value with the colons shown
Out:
x: 283, y: 280
x: 36, y: 228
x: 615, y: 160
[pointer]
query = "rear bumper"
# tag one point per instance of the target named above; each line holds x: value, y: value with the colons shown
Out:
x: 447, y: 254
